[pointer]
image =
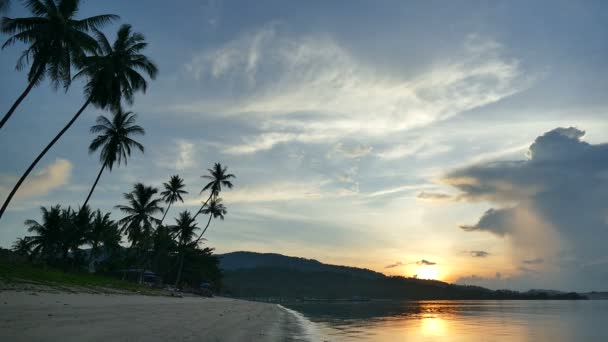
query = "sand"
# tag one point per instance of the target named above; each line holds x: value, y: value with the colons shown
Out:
x: 40, y: 316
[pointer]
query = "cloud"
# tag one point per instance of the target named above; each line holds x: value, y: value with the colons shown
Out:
x: 551, y: 205
x: 312, y: 89
x: 397, y: 264
x: 38, y: 184
x: 533, y: 261
x: 425, y: 263
x: 479, y: 254
x: 341, y: 150
x: 433, y: 196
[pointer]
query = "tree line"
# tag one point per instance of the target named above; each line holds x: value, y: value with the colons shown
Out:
x: 166, y: 249
x: 62, y: 48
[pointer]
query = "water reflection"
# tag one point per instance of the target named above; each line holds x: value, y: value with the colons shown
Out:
x: 459, y: 320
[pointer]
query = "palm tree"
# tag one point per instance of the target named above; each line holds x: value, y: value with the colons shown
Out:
x: 47, y: 242
x: 104, y: 232
x: 184, y: 232
x: 23, y: 246
x: 215, y: 209
x: 57, y: 42
x: 114, y: 140
x: 218, y: 177
x: 112, y: 76
x: 173, y: 193
x: 138, y: 224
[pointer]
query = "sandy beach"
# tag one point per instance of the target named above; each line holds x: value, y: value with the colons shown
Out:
x: 40, y: 316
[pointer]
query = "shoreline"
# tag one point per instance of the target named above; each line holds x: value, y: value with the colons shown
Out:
x: 44, y: 316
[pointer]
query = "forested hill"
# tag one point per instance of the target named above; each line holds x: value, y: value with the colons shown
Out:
x: 249, y: 274
x: 248, y: 260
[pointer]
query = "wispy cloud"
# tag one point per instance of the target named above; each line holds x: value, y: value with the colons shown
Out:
x: 478, y: 254
x: 424, y: 262
x: 316, y: 75
x: 397, y: 264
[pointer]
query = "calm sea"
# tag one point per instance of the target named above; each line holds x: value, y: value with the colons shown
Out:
x: 456, y: 321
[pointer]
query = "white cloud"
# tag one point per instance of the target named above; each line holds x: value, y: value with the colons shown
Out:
x: 341, y: 150
x: 312, y: 89
x: 179, y: 156
x: 41, y: 183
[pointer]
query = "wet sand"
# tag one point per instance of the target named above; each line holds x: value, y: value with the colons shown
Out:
x: 40, y: 316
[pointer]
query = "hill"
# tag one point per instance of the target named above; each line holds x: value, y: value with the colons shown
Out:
x: 269, y: 275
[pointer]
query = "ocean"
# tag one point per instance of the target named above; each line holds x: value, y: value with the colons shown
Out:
x: 450, y: 320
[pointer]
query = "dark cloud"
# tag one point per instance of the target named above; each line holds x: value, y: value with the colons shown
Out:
x: 397, y: 264
x: 533, y: 261
x: 425, y: 262
x: 479, y: 254
x: 493, y: 220
x: 556, y: 201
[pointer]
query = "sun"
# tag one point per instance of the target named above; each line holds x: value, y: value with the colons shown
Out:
x: 428, y: 272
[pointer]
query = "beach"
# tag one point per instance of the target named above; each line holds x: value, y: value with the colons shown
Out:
x: 42, y: 316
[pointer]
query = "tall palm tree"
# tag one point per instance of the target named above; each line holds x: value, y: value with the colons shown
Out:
x: 184, y: 232
x: 115, y: 141
x: 215, y: 209
x: 219, y: 177
x: 112, y: 76
x: 138, y: 224
x: 57, y: 42
x: 174, y: 190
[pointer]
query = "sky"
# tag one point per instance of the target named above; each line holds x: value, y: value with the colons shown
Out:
x: 461, y: 140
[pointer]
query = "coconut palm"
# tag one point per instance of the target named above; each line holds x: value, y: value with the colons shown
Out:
x: 48, y: 241
x: 112, y: 75
x: 115, y: 141
x: 57, y: 42
x: 103, y: 233
x: 215, y: 209
x: 139, y: 222
x: 174, y: 190
x: 23, y: 246
x: 183, y: 230
x: 219, y: 177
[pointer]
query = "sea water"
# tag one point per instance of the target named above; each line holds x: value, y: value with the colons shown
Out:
x: 482, y: 320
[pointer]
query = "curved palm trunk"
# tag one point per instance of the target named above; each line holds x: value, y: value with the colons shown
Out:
x: 203, y: 206
x: 21, y: 97
x: 94, y: 185
x: 204, y: 230
x: 46, y: 149
x: 165, y: 214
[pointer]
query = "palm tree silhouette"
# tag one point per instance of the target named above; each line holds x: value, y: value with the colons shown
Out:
x: 57, y: 42
x: 104, y: 232
x: 114, y: 141
x: 112, y: 76
x: 215, y: 209
x: 138, y: 224
x: 174, y: 190
x: 219, y: 177
x: 47, y: 243
x: 23, y: 246
x: 183, y: 230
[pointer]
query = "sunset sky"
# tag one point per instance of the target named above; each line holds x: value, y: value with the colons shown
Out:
x: 458, y: 140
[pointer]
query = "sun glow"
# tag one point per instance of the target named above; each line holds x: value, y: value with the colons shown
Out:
x: 428, y: 272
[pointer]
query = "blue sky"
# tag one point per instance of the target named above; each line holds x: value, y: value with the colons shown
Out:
x: 362, y: 133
